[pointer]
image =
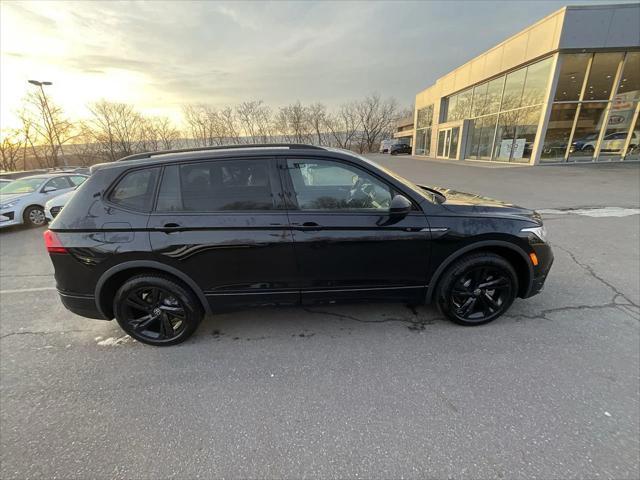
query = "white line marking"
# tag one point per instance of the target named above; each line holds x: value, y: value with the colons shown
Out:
x: 593, y: 212
x: 27, y: 290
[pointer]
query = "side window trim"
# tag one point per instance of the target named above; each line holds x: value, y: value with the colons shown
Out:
x: 275, y: 184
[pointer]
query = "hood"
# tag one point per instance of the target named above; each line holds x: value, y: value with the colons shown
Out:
x: 471, y: 203
x: 7, y: 197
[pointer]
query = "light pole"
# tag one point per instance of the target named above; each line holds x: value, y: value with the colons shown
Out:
x: 46, y: 105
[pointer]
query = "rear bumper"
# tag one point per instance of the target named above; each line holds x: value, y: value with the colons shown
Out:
x: 83, y: 305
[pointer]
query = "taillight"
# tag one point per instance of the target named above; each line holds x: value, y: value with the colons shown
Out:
x: 52, y: 242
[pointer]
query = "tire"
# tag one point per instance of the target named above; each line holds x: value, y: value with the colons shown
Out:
x: 394, y: 152
x: 462, y: 295
x: 589, y: 149
x: 33, y: 216
x: 157, y: 310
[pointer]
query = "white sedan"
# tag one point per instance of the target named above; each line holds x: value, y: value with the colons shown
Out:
x: 22, y: 201
x: 52, y: 207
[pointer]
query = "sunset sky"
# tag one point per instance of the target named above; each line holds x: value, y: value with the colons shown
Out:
x: 162, y: 55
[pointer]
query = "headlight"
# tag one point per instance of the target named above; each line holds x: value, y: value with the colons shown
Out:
x: 540, y: 232
x: 13, y: 203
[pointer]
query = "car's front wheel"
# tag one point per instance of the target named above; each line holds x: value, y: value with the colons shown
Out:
x: 477, y: 289
x: 157, y: 310
x: 34, y: 216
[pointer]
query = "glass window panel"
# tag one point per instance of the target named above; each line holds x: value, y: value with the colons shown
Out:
x: 136, y: 189
x: 505, y: 135
x: 585, y: 138
x: 572, y: 72
x: 494, y: 95
x: 479, y: 100
x: 526, y: 128
x: 601, y: 76
x: 558, y: 131
x: 427, y: 148
x: 420, y: 142
x: 629, y: 87
x: 513, y: 89
x: 169, y: 198
x: 328, y: 185
x: 424, y: 117
x: 535, y: 85
x: 486, y: 137
x: 441, y: 139
x: 453, y: 150
x: 450, y: 108
x: 226, y: 185
x: 618, y: 126
x: 633, y: 153
x: 473, y: 138
x: 463, y: 106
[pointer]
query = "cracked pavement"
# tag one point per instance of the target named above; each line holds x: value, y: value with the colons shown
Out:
x: 550, y: 390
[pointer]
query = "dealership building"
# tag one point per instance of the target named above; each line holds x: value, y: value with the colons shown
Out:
x: 565, y: 89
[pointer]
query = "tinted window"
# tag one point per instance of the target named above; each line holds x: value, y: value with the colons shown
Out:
x: 328, y: 185
x: 222, y: 185
x: 169, y: 199
x: 136, y: 189
x: 58, y: 183
x: 77, y: 179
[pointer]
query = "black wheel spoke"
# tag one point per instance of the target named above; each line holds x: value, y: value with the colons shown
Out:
x: 467, y: 306
x: 136, y: 302
x: 166, y: 327
x: 490, y: 302
x: 500, y: 282
x: 141, y: 323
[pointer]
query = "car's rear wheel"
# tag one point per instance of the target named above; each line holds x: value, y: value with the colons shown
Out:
x: 157, y: 310
x: 34, y: 216
x: 477, y: 289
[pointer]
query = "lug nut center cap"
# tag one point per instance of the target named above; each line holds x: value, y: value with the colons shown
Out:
x: 477, y: 292
x: 157, y: 311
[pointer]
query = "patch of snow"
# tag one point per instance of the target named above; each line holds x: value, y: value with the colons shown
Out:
x: 113, y: 341
x: 597, y: 212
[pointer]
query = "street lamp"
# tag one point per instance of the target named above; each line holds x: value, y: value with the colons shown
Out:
x: 46, y: 105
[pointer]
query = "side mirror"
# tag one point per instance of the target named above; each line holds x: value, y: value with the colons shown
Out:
x: 400, y: 206
x: 48, y: 189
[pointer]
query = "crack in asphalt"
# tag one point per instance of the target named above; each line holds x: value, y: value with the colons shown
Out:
x: 412, y: 324
x: 589, y: 269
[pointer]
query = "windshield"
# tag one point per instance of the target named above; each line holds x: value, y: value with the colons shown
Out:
x: 24, y: 185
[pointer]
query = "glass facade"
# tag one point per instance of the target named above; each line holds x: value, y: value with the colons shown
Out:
x: 503, y: 123
x: 594, y: 108
x: 424, y: 122
x: 593, y: 114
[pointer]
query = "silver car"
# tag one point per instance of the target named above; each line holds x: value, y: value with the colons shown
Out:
x: 22, y: 201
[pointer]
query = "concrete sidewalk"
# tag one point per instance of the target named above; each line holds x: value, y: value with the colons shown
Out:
x: 581, y: 185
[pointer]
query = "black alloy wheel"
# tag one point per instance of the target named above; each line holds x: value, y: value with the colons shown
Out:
x: 477, y: 289
x: 156, y: 310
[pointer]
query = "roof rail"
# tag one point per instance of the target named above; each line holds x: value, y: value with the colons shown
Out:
x: 292, y: 146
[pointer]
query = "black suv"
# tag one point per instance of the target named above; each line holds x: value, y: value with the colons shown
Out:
x: 157, y: 240
x: 400, y: 148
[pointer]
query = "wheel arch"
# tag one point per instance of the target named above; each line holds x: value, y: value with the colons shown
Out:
x: 111, y: 279
x: 515, y: 255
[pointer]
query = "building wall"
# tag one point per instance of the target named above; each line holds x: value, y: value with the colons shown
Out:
x: 570, y: 28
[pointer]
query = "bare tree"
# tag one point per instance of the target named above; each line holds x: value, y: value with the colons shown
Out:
x: 11, y: 146
x: 254, y: 118
x: 317, y: 113
x: 377, y: 119
x: 167, y: 133
x: 117, y: 127
x: 293, y: 123
x: 343, y: 126
x: 49, y: 128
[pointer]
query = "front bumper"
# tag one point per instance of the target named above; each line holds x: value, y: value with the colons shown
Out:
x: 9, y: 218
x: 83, y: 305
x: 541, y: 272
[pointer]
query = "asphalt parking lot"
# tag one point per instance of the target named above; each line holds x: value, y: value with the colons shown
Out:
x: 376, y: 391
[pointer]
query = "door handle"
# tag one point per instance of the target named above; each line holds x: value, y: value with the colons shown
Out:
x: 170, y: 227
x: 308, y: 226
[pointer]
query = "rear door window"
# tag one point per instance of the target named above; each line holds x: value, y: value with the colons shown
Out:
x: 57, y: 183
x: 77, y: 179
x: 213, y: 186
x: 136, y: 189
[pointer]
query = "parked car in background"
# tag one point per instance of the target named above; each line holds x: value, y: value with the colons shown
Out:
x: 52, y: 207
x: 158, y: 240
x: 22, y: 201
x: 385, y: 145
x: 398, y: 148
